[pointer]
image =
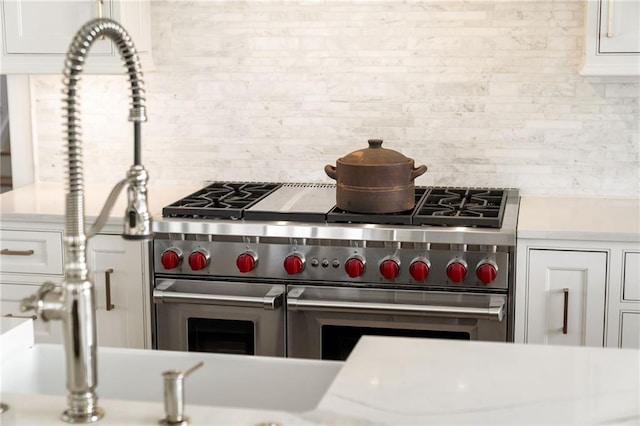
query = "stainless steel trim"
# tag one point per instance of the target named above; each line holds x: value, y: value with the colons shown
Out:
x: 354, y: 232
x: 271, y: 301
x: 294, y: 303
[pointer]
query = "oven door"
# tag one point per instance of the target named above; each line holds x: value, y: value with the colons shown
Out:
x: 221, y: 317
x: 327, y: 322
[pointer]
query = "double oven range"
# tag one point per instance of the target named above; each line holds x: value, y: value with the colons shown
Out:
x: 277, y: 269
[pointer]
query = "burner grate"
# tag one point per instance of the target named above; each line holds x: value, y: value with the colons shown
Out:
x: 461, y: 207
x: 220, y: 200
x: 337, y: 215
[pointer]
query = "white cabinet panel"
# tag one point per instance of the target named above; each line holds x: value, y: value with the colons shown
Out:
x: 35, y: 35
x: 631, y: 277
x: 630, y: 330
x: 612, y: 42
x: 31, y: 252
x: 117, y: 268
x: 619, y: 26
x: 566, y: 297
x: 45, y: 27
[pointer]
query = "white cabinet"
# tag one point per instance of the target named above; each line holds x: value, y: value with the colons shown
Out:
x: 28, y: 257
x: 33, y: 253
x: 612, y: 43
x: 571, y: 292
x: 565, y: 292
x: 623, y: 325
x: 35, y: 35
x: 118, y: 270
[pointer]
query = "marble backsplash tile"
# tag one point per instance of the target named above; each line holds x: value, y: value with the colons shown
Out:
x: 483, y: 93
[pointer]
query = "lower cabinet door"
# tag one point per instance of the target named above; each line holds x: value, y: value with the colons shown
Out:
x: 566, y: 297
x: 118, y: 273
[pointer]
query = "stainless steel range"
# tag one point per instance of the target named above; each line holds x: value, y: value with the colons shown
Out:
x: 276, y: 269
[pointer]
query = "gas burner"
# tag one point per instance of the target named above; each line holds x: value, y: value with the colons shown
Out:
x: 462, y: 207
x: 220, y: 200
x: 337, y: 215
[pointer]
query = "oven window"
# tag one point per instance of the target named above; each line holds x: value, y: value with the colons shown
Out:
x: 221, y: 336
x: 339, y: 341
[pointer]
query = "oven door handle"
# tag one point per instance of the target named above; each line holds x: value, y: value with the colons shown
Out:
x: 271, y: 301
x: 495, y: 310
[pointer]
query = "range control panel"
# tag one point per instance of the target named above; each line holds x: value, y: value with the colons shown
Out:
x: 358, y: 265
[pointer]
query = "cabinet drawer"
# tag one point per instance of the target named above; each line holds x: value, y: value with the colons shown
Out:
x: 10, y: 297
x: 631, y: 278
x: 31, y: 252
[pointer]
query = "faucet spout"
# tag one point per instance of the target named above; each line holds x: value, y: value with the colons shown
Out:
x: 74, y: 301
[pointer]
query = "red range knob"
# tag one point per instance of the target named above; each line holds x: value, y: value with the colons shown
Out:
x: 389, y: 269
x: 198, y: 260
x: 354, y: 267
x: 170, y: 259
x: 456, y: 271
x: 419, y: 270
x: 246, y: 262
x: 486, y: 272
x: 293, y: 264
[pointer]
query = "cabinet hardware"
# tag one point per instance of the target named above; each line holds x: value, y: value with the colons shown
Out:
x: 33, y: 317
x: 610, y: 19
x: 107, y: 285
x: 565, y: 315
x: 100, y: 3
x: 17, y: 252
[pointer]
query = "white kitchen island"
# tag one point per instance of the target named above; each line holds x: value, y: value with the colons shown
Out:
x: 384, y: 381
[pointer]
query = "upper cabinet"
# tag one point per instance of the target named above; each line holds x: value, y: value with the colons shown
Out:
x: 612, y: 43
x: 36, y: 35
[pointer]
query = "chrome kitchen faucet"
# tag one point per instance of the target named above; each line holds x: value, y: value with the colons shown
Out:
x: 73, y: 301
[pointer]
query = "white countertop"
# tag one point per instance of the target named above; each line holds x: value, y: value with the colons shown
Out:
x: 408, y: 381
x: 424, y: 381
x: 45, y: 202
x: 579, y: 218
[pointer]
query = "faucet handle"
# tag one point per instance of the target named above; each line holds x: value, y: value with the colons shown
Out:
x: 36, y: 301
x: 174, y: 395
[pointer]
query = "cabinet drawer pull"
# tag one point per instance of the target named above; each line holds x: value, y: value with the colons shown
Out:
x: 610, y: 19
x: 565, y: 315
x: 33, y: 317
x: 99, y: 3
x: 107, y: 285
x: 17, y: 252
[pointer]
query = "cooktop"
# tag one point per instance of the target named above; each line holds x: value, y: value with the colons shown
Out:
x: 315, y: 202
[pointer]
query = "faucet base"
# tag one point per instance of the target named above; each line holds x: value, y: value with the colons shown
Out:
x: 70, y: 417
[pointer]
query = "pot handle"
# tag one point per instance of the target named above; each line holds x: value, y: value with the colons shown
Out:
x: 418, y: 171
x: 331, y: 171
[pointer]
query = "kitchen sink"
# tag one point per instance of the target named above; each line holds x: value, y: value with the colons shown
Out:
x: 255, y: 382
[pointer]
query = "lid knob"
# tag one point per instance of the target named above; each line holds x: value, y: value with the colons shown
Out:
x: 375, y: 143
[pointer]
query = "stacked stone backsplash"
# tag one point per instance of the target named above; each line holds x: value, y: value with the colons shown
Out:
x: 485, y: 93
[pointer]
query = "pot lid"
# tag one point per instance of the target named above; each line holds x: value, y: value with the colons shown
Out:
x: 375, y: 154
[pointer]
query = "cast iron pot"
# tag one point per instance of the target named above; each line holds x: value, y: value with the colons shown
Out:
x: 375, y: 180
